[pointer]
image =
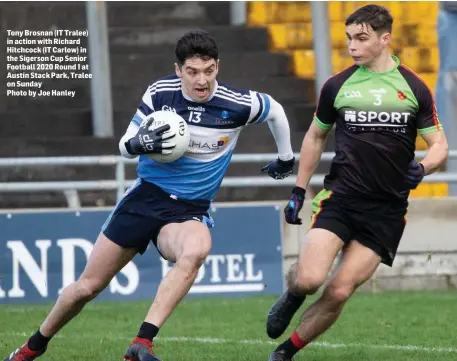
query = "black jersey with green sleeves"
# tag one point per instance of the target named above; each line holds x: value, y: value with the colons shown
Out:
x: 377, y: 117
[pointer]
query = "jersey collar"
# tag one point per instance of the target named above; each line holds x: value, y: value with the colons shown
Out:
x: 397, y: 64
x: 210, y: 97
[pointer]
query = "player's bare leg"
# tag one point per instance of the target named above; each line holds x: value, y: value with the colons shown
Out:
x: 105, y: 261
x: 186, y: 244
x: 317, y: 254
x: 357, y: 266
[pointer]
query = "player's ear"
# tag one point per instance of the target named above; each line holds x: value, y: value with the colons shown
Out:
x: 385, y: 39
x: 217, y: 65
x: 177, y: 70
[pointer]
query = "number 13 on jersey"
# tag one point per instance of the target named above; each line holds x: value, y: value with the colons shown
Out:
x: 195, y: 117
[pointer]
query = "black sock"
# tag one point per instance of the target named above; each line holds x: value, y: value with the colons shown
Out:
x: 148, y: 331
x: 291, y: 346
x: 38, y: 341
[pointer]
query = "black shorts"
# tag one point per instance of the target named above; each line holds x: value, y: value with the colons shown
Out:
x: 378, y: 225
x: 144, y: 209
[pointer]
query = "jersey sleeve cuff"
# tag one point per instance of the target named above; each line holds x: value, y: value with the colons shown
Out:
x: 321, y: 124
x: 434, y: 128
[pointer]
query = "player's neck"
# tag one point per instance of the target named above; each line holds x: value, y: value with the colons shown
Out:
x: 382, y: 64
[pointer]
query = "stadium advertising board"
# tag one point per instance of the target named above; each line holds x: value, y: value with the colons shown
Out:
x: 42, y: 252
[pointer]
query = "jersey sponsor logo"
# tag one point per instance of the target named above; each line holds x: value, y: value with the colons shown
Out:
x: 197, y: 109
x: 225, y: 118
x: 387, y: 119
x: 223, y: 140
x: 212, y: 145
x: 224, y: 121
x: 378, y: 93
x: 353, y: 94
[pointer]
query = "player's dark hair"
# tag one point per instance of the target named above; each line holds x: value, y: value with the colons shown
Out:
x: 378, y: 17
x: 196, y: 43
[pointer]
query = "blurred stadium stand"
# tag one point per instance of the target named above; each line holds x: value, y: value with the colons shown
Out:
x: 273, y: 54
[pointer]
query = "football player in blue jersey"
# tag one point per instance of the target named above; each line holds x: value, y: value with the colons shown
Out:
x: 168, y: 203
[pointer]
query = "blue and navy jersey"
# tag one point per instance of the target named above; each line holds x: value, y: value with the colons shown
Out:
x: 214, y: 129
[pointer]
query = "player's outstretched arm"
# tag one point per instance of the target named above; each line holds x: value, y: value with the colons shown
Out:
x: 279, y: 127
x: 310, y: 155
x: 431, y: 130
x: 312, y: 147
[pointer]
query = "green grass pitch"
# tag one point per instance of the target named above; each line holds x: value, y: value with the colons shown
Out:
x: 377, y: 327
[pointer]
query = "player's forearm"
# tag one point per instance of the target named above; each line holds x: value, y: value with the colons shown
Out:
x: 279, y: 127
x: 310, y: 155
x: 435, y: 158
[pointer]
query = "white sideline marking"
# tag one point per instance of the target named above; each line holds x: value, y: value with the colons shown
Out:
x: 262, y: 342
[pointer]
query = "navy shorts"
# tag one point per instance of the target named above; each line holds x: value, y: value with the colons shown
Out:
x: 144, y: 209
x: 378, y: 225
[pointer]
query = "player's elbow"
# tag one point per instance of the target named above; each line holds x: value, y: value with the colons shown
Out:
x: 277, y: 117
x: 316, y: 134
x: 276, y: 110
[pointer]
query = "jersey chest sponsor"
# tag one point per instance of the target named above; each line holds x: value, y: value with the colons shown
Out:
x: 380, y: 118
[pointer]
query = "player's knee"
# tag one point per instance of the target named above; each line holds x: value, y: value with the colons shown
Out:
x: 195, y: 253
x: 86, y: 290
x: 292, y: 275
x: 337, y: 293
x: 308, y: 283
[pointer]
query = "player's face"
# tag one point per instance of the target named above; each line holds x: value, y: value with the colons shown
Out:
x: 198, y: 77
x: 365, y: 45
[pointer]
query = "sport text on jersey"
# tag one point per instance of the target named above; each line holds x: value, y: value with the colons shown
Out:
x: 372, y: 120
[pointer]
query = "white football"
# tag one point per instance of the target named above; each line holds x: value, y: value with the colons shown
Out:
x: 178, y: 126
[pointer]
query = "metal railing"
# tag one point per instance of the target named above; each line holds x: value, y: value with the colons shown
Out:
x: 70, y: 188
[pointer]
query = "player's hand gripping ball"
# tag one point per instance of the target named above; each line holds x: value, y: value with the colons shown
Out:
x: 279, y: 169
x: 163, y: 136
x: 295, y: 205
